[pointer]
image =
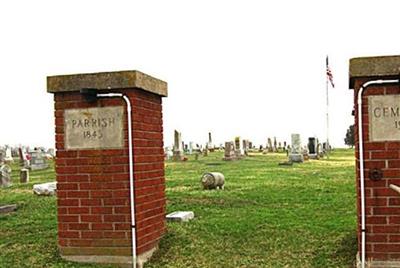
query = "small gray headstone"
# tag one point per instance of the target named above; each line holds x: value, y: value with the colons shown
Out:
x: 229, y: 151
x: 5, y: 176
x: 180, y: 216
x: 38, y: 161
x: 24, y: 175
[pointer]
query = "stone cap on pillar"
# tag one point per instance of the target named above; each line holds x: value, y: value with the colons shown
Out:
x: 107, y: 81
x: 373, y: 67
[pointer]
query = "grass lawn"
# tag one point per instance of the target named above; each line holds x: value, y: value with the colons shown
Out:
x: 267, y: 216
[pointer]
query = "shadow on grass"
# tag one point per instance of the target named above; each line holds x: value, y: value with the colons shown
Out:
x: 344, y: 255
x: 168, y: 246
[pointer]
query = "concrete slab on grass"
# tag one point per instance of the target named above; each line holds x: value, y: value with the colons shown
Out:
x: 180, y: 216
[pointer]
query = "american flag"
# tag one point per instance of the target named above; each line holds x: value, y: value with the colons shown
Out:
x: 329, y: 73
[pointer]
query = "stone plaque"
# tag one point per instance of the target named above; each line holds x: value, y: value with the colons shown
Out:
x: 384, y: 118
x: 94, y: 128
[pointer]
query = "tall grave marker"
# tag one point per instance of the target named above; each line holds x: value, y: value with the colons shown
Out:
x: 178, y: 146
x: 296, y: 154
x: 239, y: 152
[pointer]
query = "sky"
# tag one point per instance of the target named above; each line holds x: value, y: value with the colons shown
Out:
x: 254, y: 69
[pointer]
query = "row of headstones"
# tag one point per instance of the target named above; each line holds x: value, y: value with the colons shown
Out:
x: 236, y: 149
x: 233, y: 150
x: 34, y: 160
x: 5, y: 175
x: 179, y: 148
x: 274, y: 147
x: 313, y: 150
x: 45, y: 189
x: 239, y: 148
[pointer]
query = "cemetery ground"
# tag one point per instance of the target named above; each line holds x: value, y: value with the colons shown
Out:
x: 268, y: 215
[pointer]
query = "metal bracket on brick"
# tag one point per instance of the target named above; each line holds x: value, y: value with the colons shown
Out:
x: 395, y: 188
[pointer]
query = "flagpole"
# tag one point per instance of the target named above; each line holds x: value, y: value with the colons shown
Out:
x: 327, y: 111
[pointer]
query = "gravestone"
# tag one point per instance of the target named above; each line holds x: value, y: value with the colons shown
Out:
x: 177, y: 149
x: 320, y: 151
x: 325, y: 147
x: 205, y: 151
x: 24, y: 175
x: 2, y: 156
x: 296, y: 154
x: 5, y: 175
x: 246, y: 146
x: 51, y: 152
x: 23, y: 160
x: 8, y: 157
x: 269, y: 146
x: 238, y: 148
x: 38, y: 160
x: 229, y: 154
x: 306, y: 155
x: 168, y: 153
x: 14, y: 152
x: 312, y: 148
x: 190, y: 147
x: 210, y: 144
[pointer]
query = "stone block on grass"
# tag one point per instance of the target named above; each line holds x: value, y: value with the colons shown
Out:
x: 180, y: 216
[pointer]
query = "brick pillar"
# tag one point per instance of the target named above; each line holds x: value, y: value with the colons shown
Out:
x: 381, y: 134
x: 92, y: 166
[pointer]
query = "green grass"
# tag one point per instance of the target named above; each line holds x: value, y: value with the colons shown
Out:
x: 268, y: 216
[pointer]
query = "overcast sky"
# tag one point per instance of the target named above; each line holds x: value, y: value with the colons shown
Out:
x: 254, y: 69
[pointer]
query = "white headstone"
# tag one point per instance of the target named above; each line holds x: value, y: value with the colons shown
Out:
x: 296, y: 154
x: 296, y: 143
x: 8, y: 157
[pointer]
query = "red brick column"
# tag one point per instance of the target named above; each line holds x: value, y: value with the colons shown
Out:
x: 93, y: 191
x: 381, y: 166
